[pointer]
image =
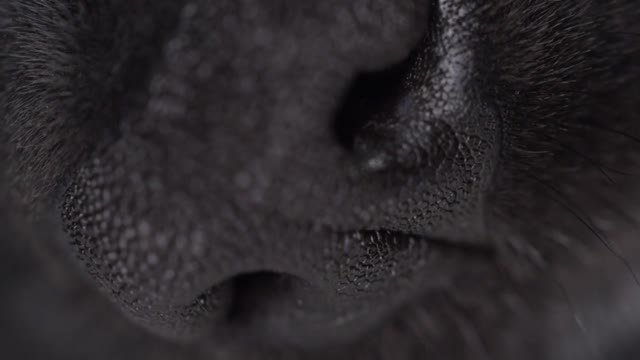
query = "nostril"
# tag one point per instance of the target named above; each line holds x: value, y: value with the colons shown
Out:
x: 255, y: 292
x: 368, y: 100
x: 241, y: 301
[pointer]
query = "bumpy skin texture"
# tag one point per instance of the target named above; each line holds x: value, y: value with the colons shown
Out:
x: 451, y: 179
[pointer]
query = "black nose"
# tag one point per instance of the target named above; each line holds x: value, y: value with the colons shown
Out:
x: 229, y: 195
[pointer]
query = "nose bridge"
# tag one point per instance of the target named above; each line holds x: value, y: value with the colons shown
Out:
x: 250, y: 65
x: 249, y: 88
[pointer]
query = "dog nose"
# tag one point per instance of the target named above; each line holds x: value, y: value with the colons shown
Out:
x: 218, y: 181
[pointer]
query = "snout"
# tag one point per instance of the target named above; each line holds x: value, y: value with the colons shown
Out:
x: 230, y: 197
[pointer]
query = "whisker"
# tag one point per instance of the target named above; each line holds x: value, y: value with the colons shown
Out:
x: 598, y: 165
x: 578, y: 320
x: 576, y: 316
x: 563, y: 201
x: 613, y: 131
x: 467, y: 327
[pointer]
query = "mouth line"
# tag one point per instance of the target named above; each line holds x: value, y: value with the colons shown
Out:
x: 439, y: 243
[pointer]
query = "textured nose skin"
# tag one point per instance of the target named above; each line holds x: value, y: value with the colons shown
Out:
x: 221, y: 172
x: 227, y: 200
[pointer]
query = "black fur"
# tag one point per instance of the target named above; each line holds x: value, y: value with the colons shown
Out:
x: 449, y: 179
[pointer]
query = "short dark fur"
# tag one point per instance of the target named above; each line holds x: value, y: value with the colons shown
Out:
x: 240, y: 176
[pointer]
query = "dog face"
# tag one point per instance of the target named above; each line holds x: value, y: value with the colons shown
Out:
x: 368, y: 179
